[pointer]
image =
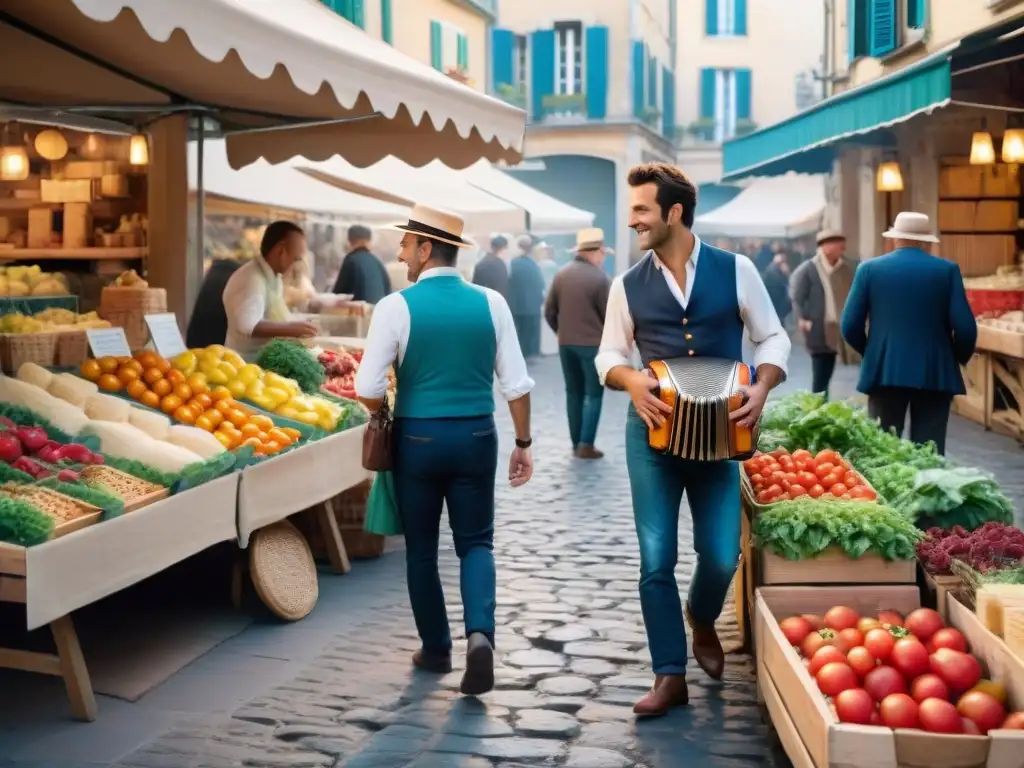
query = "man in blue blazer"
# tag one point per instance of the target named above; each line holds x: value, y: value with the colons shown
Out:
x: 921, y: 331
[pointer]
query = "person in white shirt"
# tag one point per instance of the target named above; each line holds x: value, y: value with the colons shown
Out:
x: 254, y: 299
x: 683, y: 298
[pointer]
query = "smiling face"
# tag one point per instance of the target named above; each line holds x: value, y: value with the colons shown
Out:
x: 414, y: 255
x: 645, y: 217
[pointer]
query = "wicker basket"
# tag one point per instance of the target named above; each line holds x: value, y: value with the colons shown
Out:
x: 18, y: 348
x: 350, y: 512
x: 127, y: 308
x: 72, y: 348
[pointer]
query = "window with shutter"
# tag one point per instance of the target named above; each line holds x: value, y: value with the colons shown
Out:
x: 710, y: 17
x: 569, y: 57
x: 542, y: 69
x: 386, y: 31
x: 725, y: 18
x: 436, y: 45
x: 668, y: 103
x: 917, y: 12
x: 639, y: 78
x: 462, y: 56
x: 597, y: 72
x: 883, y: 27
x: 858, y: 24
x: 503, y: 60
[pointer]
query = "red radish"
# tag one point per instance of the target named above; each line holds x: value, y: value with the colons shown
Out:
x: 10, y: 447
x: 96, y: 458
x: 47, y: 454
x: 28, y: 466
x: 894, y: 618
x: 33, y: 438
x: 1014, y: 721
x: 861, y: 661
x: 854, y: 706
x: 960, y: 671
x: 938, y: 716
x: 841, y: 617
x: 879, y: 642
x: 825, y: 655
x: 836, y: 677
x: 947, y: 637
x: 884, y: 681
x: 76, y: 452
x: 929, y: 686
x: 923, y: 623
x: 899, y: 711
x: 7, y: 422
x: 67, y: 476
x: 910, y: 658
x: 982, y: 709
x: 795, y: 628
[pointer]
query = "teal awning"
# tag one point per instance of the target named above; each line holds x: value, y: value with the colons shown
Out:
x: 805, y: 143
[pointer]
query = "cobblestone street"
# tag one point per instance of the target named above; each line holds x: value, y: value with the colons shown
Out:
x: 337, y: 689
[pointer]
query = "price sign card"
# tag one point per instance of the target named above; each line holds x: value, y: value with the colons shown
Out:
x: 166, y: 336
x: 108, y: 342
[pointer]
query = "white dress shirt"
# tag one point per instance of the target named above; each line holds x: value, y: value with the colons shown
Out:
x: 770, y: 341
x: 245, y: 304
x: 388, y: 338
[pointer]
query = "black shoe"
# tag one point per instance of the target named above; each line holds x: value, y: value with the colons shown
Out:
x: 432, y: 662
x: 479, y: 676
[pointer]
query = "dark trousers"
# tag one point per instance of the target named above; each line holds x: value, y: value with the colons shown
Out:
x: 929, y: 413
x: 453, y: 462
x: 823, y: 365
x: 528, y: 331
x: 583, y: 393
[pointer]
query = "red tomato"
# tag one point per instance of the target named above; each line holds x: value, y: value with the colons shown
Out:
x: 854, y: 706
x: 959, y: 670
x: 970, y: 729
x: 898, y: 711
x: 841, y: 617
x: 876, y: 719
x: 776, y: 477
x: 775, y: 490
x: 923, y: 623
x: 884, y: 681
x: 868, y: 494
x: 1014, y: 721
x: 836, y: 677
x: 751, y: 467
x: 807, y: 479
x: 879, y: 642
x: 815, y: 491
x: 827, y: 455
x: 824, y: 468
x: 804, y: 465
x: 801, y: 454
x: 816, y: 640
x: 787, y: 464
x: 757, y: 480
x: 816, y: 622
x: 983, y: 709
x: 947, y: 637
x: 861, y: 492
x: 849, y: 638
x: 795, y: 628
x: 861, y: 661
x: 929, y: 686
x: 938, y: 716
x: 824, y: 655
x: 829, y: 480
x: 852, y: 480
x: 866, y: 624
x: 895, y: 618
x: 763, y: 497
x: 838, y: 489
x: 796, y: 491
x: 910, y: 657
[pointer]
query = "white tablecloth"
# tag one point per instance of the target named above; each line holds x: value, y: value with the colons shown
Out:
x: 76, y: 570
x: 299, y: 479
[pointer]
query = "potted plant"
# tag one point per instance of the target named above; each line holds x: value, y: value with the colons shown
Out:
x: 703, y: 129
x: 651, y: 116
x: 513, y: 94
x: 564, y: 102
x: 744, y: 126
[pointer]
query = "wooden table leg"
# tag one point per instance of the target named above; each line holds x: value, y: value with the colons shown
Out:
x: 73, y: 669
x: 333, y: 542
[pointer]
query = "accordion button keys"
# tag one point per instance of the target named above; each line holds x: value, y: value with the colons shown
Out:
x: 692, y: 353
x: 689, y: 336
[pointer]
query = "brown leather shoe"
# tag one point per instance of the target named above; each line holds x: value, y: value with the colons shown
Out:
x: 432, y: 662
x: 707, y: 648
x: 587, y: 452
x: 669, y: 691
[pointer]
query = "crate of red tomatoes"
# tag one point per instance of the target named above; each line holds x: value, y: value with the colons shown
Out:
x: 779, y: 475
x: 862, y: 677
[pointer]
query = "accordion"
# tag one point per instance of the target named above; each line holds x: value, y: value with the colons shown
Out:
x: 701, y: 392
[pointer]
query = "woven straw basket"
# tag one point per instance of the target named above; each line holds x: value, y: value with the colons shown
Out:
x: 19, y: 348
x: 127, y: 308
x: 283, y: 571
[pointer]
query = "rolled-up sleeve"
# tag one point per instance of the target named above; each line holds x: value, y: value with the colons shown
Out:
x: 245, y: 302
x: 617, y: 339
x: 771, y: 342
x: 509, y: 365
x: 385, y: 340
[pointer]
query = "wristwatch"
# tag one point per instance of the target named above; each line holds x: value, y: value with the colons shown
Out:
x: 524, y: 443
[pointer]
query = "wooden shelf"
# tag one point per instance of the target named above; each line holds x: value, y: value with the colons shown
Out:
x: 1010, y: 199
x: 85, y: 254
x: 1000, y: 233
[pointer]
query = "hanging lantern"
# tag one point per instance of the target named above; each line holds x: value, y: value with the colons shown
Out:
x: 51, y: 145
x: 13, y: 157
x: 982, y: 150
x: 1013, y: 145
x: 889, y: 177
x: 92, y: 147
x: 138, y: 150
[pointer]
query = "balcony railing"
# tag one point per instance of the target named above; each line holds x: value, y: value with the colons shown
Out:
x: 512, y: 94
x: 564, y: 106
x: 706, y: 129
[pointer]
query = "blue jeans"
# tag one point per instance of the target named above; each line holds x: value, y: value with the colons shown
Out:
x: 528, y: 332
x: 712, y: 489
x: 583, y: 392
x: 453, y: 461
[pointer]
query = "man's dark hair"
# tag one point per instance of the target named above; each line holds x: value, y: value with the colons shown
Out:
x: 275, y: 233
x: 673, y: 187
x: 359, y: 233
x: 446, y: 253
x: 498, y: 243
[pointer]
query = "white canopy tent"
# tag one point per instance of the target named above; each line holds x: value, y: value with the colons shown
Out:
x: 776, y: 207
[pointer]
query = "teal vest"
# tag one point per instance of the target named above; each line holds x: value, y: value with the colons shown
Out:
x: 448, y: 367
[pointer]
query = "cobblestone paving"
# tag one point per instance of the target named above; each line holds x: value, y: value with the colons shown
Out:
x: 571, y: 642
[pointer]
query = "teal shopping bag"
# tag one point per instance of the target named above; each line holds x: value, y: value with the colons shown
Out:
x: 382, y: 507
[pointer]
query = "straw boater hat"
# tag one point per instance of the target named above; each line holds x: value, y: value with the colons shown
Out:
x: 436, y: 224
x: 829, y: 234
x: 911, y: 226
x: 590, y: 239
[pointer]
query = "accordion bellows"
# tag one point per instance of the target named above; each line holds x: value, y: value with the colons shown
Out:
x: 702, y: 391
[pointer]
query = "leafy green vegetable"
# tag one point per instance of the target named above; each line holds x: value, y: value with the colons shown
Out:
x: 9, y: 474
x: 956, y: 496
x: 23, y: 523
x: 892, y: 480
x: 290, y: 359
x: 803, y: 528
x: 768, y: 441
x: 779, y: 414
x: 141, y: 471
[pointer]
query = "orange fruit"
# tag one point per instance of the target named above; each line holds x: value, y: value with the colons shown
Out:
x: 238, y: 417
x: 250, y: 430
x: 150, y: 399
x: 227, y: 440
x: 255, y: 442
x: 150, y: 375
x: 170, y: 404
x: 202, y: 398
x: 263, y: 422
x: 221, y: 393
x: 175, y: 376
x: 224, y: 406
x: 278, y: 436
x: 181, y: 389
x: 108, y: 364
x: 292, y: 432
x: 134, y: 364
x: 204, y: 422
x: 162, y: 365
x: 108, y: 382
x: 215, y: 417
x: 272, y: 446
x: 135, y: 389
x: 147, y: 358
x: 90, y: 369
x: 162, y: 387
x: 127, y: 375
x: 198, y: 383
x: 184, y: 414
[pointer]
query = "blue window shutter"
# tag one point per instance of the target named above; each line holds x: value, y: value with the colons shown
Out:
x: 668, y: 102
x: 708, y: 76
x: 462, y: 54
x: 711, y: 18
x: 639, y: 77
x: 596, y: 86
x: 503, y: 47
x: 652, y: 81
x: 851, y: 28
x: 386, y: 31
x: 436, y: 41
x: 542, y: 64
x: 917, y: 14
x: 883, y: 27
x: 358, y: 12
x: 743, y: 83
x: 740, y: 17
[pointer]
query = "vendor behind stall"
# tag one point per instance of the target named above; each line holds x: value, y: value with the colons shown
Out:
x: 254, y: 295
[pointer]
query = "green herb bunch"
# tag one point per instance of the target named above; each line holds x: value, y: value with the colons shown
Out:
x: 23, y: 523
x: 288, y: 358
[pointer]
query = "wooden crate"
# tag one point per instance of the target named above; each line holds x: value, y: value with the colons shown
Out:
x: 833, y: 566
x: 814, y: 738
x: 939, y: 589
x: 976, y: 403
x: 1000, y: 341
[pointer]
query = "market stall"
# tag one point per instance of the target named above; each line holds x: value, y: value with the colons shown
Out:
x: 778, y: 207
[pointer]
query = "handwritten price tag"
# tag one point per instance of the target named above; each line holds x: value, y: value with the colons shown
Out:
x: 108, y: 342
x: 166, y: 336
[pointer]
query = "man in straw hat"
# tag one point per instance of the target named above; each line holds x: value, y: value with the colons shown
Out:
x: 921, y: 331
x: 819, y: 288
x: 448, y: 340
x: 575, y: 310
x: 683, y: 298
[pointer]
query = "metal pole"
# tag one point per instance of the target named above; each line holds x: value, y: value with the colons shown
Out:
x: 200, y: 198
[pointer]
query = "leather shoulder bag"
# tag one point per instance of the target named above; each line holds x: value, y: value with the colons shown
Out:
x: 378, y: 440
